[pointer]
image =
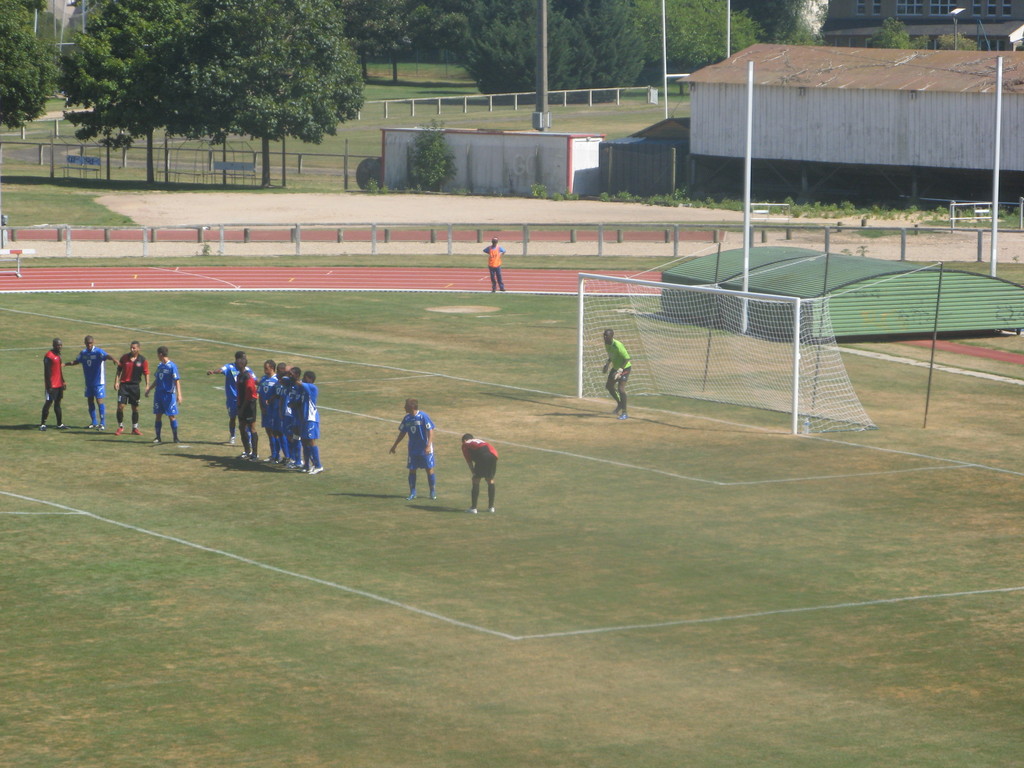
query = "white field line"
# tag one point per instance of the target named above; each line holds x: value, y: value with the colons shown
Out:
x: 924, y: 364
x: 66, y: 510
x: 415, y: 373
x: 779, y: 612
x: 264, y: 566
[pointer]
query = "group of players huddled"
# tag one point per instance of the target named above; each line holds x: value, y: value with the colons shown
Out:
x: 285, y: 399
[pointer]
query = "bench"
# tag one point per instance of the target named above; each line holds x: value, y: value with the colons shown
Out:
x: 82, y: 164
x: 233, y: 172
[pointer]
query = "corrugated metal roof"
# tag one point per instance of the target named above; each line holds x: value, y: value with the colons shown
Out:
x: 798, y: 66
x: 867, y: 296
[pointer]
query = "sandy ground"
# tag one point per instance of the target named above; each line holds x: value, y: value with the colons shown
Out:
x: 154, y: 209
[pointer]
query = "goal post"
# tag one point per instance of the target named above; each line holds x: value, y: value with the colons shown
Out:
x: 763, y: 351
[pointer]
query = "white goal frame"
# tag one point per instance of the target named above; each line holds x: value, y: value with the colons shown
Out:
x: 830, y: 408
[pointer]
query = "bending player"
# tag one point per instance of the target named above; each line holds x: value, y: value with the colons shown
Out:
x: 482, y: 459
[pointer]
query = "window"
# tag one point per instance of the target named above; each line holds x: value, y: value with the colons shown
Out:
x: 1007, y: 7
x: 860, y: 8
x: 941, y: 7
x: 876, y: 8
x: 909, y: 7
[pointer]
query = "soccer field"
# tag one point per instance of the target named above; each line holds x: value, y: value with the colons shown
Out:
x: 693, y: 586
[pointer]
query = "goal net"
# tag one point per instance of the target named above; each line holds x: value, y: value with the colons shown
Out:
x: 776, y: 353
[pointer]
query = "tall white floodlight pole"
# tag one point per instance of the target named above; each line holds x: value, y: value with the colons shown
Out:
x: 746, y: 176
x: 995, y: 165
x: 728, y: 28
x: 664, y: 57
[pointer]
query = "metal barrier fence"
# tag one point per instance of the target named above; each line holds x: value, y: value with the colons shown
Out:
x: 666, y: 240
x: 178, y: 162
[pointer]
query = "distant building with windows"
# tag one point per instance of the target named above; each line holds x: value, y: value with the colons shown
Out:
x: 995, y: 25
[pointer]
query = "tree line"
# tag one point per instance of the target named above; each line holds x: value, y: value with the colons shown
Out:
x: 277, y: 69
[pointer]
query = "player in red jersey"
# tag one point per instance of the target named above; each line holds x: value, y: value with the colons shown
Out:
x: 248, y: 397
x: 54, y: 385
x: 132, y: 368
x: 482, y: 459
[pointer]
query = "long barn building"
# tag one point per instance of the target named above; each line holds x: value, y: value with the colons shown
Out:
x: 861, y: 124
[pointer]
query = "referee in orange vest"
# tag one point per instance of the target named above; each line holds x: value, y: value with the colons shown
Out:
x: 494, y: 253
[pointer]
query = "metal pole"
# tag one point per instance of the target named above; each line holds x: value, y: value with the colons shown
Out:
x: 579, y: 336
x: 664, y: 57
x: 995, y: 165
x: 728, y: 28
x: 540, y: 122
x: 935, y: 336
x: 746, y: 177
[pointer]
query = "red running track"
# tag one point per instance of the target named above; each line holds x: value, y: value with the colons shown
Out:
x: 45, y: 279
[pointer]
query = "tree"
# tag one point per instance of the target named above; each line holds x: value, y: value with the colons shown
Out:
x: 378, y: 28
x: 893, y: 34
x: 440, y: 24
x: 433, y: 161
x: 591, y: 43
x: 28, y: 72
x: 271, y: 69
x: 695, y: 32
x: 785, y: 21
x: 124, y: 72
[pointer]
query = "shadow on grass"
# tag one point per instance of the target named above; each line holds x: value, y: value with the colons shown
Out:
x: 581, y: 412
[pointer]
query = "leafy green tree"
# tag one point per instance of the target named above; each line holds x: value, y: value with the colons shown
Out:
x: 28, y: 72
x: 378, y: 28
x: 591, y: 43
x: 784, y: 21
x: 952, y: 42
x: 124, y: 72
x: 270, y: 69
x: 893, y: 34
x: 433, y: 161
x: 695, y: 32
x: 440, y: 24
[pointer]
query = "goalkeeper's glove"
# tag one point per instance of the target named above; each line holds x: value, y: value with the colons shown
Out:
x: 618, y: 374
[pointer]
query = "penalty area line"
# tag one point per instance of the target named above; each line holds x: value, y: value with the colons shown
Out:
x: 265, y: 566
x: 779, y: 612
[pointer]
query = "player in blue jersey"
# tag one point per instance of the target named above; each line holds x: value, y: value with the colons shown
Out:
x: 294, y: 418
x: 278, y: 403
x: 167, y: 396
x: 92, y: 359
x: 265, y: 389
x: 231, y: 371
x: 420, y: 430
x: 310, y: 421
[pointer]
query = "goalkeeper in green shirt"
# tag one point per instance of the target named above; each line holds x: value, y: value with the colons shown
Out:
x: 617, y: 368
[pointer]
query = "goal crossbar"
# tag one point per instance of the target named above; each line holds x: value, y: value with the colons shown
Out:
x: 758, y: 350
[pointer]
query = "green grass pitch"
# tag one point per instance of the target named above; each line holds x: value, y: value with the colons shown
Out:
x: 692, y: 587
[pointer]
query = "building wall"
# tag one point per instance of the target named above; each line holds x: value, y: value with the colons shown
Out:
x: 992, y: 24
x: 504, y: 163
x: 858, y: 126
